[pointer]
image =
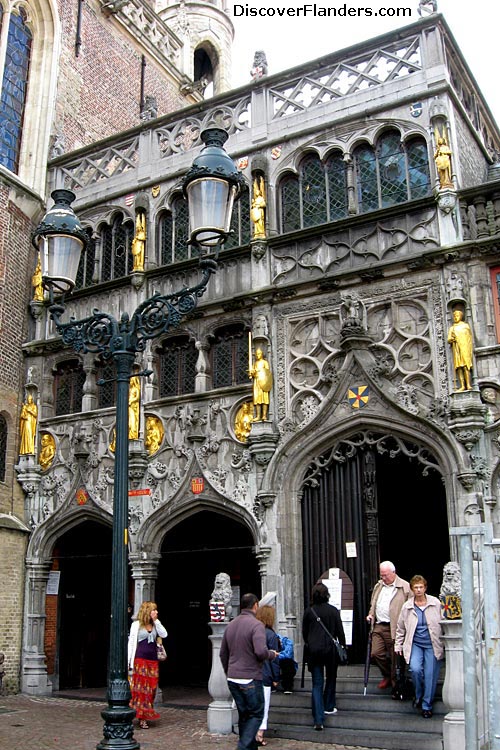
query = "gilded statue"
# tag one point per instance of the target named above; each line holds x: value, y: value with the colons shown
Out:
x: 154, y: 434
x: 460, y: 338
x: 27, y: 427
x: 442, y: 159
x: 36, y: 282
x: 47, y: 451
x: 243, y: 421
x: 139, y: 242
x: 134, y: 404
x: 257, y: 211
x: 262, y: 384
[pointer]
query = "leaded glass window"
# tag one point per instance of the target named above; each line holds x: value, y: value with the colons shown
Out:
x: 14, y: 88
x: 229, y: 356
x: 392, y: 170
x: 240, y: 222
x: 106, y: 390
x: 68, y: 387
x: 116, y: 240
x: 366, y: 178
x: 290, y: 203
x: 313, y: 192
x: 337, y: 186
x: 177, y: 366
x: 418, y: 168
x: 173, y: 233
x: 3, y: 447
x: 84, y: 276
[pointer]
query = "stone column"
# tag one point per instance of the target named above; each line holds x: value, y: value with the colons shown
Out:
x: 221, y: 716
x: 144, y: 572
x: 453, y: 688
x: 34, y: 678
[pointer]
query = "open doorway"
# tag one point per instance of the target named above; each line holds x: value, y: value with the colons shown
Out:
x: 193, y: 552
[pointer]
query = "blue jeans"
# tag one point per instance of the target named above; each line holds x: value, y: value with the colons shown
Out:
x: 323, y: 699
x: 249, y: 701
x: 424, y: 672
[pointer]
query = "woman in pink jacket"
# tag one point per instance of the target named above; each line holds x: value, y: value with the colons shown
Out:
x: 418, y: 638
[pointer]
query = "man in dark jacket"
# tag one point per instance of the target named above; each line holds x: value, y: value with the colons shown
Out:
x: 242, y: 653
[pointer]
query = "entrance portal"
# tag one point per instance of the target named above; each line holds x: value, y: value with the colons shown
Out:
x: 387, y: 496
x: 192, y: 554
x: 83, y: 556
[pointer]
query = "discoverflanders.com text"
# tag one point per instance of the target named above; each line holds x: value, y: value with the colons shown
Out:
x: 315, y: 10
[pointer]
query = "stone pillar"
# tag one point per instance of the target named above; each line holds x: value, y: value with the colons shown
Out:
x: 221, y: 716
x: 453, y: 688
x: 144, y: 572
x: 34, y: 678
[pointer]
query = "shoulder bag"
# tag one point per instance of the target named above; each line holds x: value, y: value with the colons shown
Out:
x: 339, y: 648
x: 160, y: 650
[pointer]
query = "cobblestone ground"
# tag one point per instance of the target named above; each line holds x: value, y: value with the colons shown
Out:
x: 61, y: 724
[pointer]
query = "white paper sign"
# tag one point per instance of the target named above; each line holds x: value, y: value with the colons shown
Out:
x: 350, y: 549
x: 334, y: 586
x: 53, y: 582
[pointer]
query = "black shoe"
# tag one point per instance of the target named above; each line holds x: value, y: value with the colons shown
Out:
x: 426, y: 714
x: 318, y: 727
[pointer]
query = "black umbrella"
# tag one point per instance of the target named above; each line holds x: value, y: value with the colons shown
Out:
x: 367, y: 660
x: 403, y: 688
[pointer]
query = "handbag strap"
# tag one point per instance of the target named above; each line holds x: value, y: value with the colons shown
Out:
x: 318, y: 619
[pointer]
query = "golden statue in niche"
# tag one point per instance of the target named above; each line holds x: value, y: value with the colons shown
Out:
x: 154, y: 434
x: 260, y: 372
x: 243, y: 421
x: 460, y: 338
x: 134, y: 404
x: 48, y: 450
x: 442, y: 159
x: 36, y: 282
x: 257, y: 210
x: 139, y: 242
x: 27, y: 427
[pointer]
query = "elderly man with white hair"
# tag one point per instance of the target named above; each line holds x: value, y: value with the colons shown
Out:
x: 389, y: 595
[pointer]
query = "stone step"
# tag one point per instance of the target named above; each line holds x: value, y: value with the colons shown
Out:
x: 409, y: 739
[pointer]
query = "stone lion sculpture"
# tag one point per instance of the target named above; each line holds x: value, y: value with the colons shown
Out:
x: 223, y: 593
x: 451, y: 592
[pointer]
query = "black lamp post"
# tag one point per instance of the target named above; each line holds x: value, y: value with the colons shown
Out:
x: 211, y: 186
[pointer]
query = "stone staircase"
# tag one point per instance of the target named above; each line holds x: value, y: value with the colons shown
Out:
x: 373, y: 720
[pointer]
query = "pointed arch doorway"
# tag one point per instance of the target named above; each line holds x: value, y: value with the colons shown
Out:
x: 193, y: 552
x: 385, y: 494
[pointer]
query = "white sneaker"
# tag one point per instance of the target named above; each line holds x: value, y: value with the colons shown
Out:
x: 329, y: 713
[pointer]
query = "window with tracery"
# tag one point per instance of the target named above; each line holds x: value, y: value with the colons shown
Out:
x: 16, y: 65
x: 316, y: 196
x: 240, y: 222
x: 173, y: 233
x: 84, y: 276
x: 116, y: 244
x: 177, y: 366
x: 3, y: 447
x: 393, y: 172
x: 68, y: 387
x: 106, y: 383
x: 229, y: 356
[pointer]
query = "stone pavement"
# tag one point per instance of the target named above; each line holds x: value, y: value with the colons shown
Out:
x: 38, y: 723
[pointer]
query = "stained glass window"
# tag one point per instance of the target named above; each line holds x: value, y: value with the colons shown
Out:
x: 116, y: 243
x: 177, y: 366
x: 68, y: 387
x: 3, y: 447
x: 366, y: 178
x: 14, y: 88
x: 230, y: 357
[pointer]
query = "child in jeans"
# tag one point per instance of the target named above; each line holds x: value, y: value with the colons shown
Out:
x: 288, y: 665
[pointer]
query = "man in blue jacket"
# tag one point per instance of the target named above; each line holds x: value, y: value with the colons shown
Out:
x: 242, y: 653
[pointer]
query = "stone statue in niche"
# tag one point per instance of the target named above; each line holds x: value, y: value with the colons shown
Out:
x: 450, y: 594
x: 222, y: 594
x: 442, y: 159
x: 139, y: 242
x: 36, y: 282
x: 243, y: 421
x: 261, y: 374
x: 27, y: 427
x: 257, y: 211
x: 47, y: 451
x: 460, y: 338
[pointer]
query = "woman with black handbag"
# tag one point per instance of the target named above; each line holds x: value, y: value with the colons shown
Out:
x: 321, y: 626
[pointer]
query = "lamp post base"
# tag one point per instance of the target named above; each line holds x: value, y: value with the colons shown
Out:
x: 118, y: 729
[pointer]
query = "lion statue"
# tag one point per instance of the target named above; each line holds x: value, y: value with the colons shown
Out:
x: 451, y: 592
x: 223, y: 593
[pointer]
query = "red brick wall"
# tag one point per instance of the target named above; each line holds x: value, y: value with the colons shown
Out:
x: 50, y: 644
x: 99, y: 91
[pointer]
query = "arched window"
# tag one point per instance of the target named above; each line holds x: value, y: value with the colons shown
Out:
x: 173, y: 233
x: 3, y: 447
x: 317, y: 196
x: 392, y: 173
x: 14, y: 87
x: 106, y: 390
x: 229, y: 356
x: 116, y: 240
x: 68, y: 387
x: 240, y: 222
x: 177, y: 366
x: 84, y: 276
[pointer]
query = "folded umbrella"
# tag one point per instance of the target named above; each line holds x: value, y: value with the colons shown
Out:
x: 368, y: 660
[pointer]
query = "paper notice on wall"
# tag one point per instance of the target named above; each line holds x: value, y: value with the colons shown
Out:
x: 334, y: 586
x: 53, y: 582
x: 346, y: 615
x: 350, y: 549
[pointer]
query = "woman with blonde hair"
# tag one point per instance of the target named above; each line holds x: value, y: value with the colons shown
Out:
x: 143, y: 661
x: 271, y: 670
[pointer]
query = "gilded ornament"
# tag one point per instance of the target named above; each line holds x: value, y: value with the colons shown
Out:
x: 154, y: 434
x: 36, y: 282
x: 47, y: 451
x: 460, y: 338
x: 243, y: 421
x: 442, y: 159
x: 134, y: 403
x: 27, y: 427
x: 139, y: 242
x: 257, y: 210
x: 260, y: 372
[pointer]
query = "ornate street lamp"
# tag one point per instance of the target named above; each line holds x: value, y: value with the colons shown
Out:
x: 211, y: 186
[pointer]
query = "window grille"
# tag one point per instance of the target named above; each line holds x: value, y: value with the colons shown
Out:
x: 177, y: 366
x: 3, y: 447
x: 14, y: 88
x: 68, y: 387
x: 85, y: 274
x: 106, y: 391
x: 229, y: 356
x: 240, y: 222
x: 116, y: 240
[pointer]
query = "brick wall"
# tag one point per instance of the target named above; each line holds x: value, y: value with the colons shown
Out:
x: 12, y: 553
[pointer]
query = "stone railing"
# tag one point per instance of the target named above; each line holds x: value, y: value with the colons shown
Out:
x: 480, y: 211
